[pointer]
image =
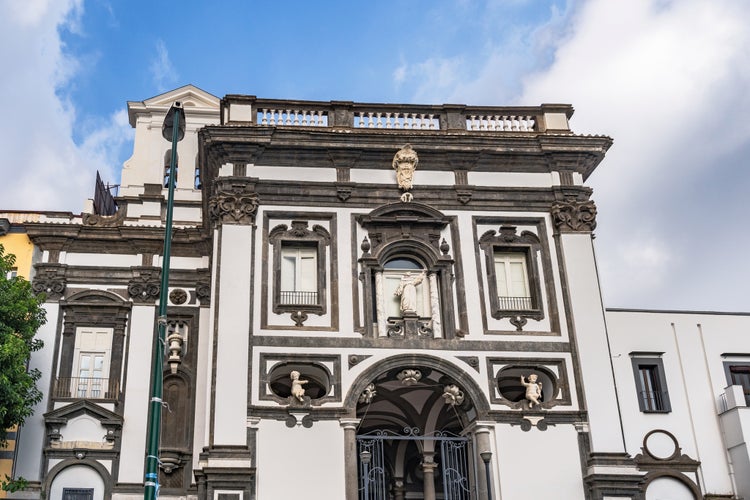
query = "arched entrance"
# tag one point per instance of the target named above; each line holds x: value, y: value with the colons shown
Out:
x: 411, y: 440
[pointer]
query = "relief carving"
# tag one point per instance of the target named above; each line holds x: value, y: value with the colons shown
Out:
x: 233, y: 202
x: 405, y: 163
x: 97, y: 220
x: 50, y: 280
x: 574, y: 215
x: 144, y: 288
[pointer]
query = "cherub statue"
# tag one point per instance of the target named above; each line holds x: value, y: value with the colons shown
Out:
x: 297, y: 390
x: 533, y: 389
x: 405, y: 163
x: 407, y: 290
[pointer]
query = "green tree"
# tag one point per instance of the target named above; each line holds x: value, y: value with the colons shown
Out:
x: 21, y: 315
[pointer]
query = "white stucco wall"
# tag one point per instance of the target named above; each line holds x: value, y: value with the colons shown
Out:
x: 591, y: 339
x: 538, y: 464
x: 300, y: 463
x: 30, y: 440
x: 233, y: 330
x: 140, y: 348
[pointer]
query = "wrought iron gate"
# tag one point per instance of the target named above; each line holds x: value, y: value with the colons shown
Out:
x: 375, y: 475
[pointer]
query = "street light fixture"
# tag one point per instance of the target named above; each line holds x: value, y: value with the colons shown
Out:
x: 173, y: 129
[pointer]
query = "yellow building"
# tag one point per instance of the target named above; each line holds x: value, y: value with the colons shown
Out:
x: 15, y: 241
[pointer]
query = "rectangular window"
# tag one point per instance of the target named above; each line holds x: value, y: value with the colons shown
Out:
x: 91, y: 363
x: 512, y: 281
x: 78, y: 494
x: 12, y: 273
x: 299, y: 275
x: 739, y: 374
x: 651, y: 385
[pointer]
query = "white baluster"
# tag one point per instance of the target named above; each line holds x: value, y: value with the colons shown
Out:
x: 432, y: 121
x: 263, y: 119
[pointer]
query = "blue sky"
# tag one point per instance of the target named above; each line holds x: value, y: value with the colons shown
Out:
x: 667, y: 79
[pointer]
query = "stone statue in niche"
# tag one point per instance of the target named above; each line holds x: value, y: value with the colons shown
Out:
x: 533, y: 389
x: 405, y: 163
x: 407, y: 290
x: 297, y: 390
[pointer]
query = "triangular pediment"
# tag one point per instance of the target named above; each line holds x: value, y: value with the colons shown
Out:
x: 65, y: 413
x: 190, y: 96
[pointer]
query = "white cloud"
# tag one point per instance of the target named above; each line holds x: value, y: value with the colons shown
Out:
x: 42, y: 167
x: 668, y: 81
x: 162, y: 70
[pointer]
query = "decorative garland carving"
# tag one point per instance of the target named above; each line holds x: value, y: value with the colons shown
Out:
x: 234, y: 202
x: 574, y: 215
x: 178, y: 296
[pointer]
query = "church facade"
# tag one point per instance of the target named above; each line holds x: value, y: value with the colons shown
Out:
x: 369, y: 301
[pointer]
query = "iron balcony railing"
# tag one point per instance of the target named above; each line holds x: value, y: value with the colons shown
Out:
x: 86, y: 388
x: 514, y: 303
x: 299, y: 298
x: 653, y: 400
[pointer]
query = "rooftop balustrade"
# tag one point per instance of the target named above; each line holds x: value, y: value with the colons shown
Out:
x: 242, y: 110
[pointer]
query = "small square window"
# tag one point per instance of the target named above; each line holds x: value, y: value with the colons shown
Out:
x: 739, y: 374
x: 78, y: 494
x: 651, y: 385
x: 12, y: 273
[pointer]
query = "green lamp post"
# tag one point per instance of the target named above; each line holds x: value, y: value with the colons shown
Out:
x: 173, y: 130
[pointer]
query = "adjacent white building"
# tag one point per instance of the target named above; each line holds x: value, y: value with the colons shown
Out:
x: 370, y: 301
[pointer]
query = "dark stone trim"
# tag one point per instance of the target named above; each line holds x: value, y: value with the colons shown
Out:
x: 475, y: 393
x: 50, y: 279
x: 560, y: 382
x: 355, y: 359
x: 574, y: 216
x: 546, y: 276
x: 272, y: 240
x: 334, y: 378
x: 234, y: 201
x: 526, y: 244
x: 50, y: 475
x: 92, y: 308
x: 403, y: 344
x: 410, y: 230
x: 676, y: 475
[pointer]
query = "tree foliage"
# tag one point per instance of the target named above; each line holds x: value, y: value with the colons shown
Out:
x: 21, y: 315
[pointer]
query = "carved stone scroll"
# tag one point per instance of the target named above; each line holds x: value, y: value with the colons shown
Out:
x: 234, y: 202
x: 573, y: 215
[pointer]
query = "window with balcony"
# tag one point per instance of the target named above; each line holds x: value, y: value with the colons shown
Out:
x: 90, y: 359
x: 299, y: 264
x: 651, y: 385
x: 513, y: 279
x: 299, y: 275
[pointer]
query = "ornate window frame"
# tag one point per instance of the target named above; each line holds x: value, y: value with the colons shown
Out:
x: 301, y: 236
x: 99, y: 309
x: 412, y: 231
x: 527, y: 244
